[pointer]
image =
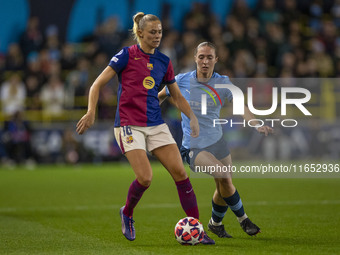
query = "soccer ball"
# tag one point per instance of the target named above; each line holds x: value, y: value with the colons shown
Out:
x: 189, y: 231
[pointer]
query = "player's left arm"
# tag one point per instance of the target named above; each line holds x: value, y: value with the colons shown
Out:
x: 181, y: 103
x: 261, y: 129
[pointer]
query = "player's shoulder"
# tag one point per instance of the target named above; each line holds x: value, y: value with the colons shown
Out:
x: 124, y: 51
x: 161, y: 55
x: 221, y: 76
x: 185, y: 76
x: 161, y: 58
x: 120, y: 59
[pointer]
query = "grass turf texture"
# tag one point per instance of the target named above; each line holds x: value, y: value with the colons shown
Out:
x: 75, y: 210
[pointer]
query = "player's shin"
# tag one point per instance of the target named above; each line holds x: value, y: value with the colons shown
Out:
x: 135, y: 193
x: 187, y: 198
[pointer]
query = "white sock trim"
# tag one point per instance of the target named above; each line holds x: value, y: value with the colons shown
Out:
x: 242, y: 218
x: 215, y: 223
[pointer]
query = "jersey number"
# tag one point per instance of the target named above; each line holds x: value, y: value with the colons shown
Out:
x: 127, y: 130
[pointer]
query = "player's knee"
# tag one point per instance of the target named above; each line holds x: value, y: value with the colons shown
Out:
x: 180, y: 175
x: 226, y: 183
x: 145, y: 180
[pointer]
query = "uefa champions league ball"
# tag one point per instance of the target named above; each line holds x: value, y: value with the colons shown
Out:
x: 189, y: 231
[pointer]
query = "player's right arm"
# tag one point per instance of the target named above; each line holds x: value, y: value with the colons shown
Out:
x: 88, y: 119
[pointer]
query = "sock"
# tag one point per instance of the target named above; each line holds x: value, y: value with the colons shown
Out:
x: 235, y: 204
x: 187, y: 198
x: 135, y: 193
x: 240, y: 219
x: 218, y: 212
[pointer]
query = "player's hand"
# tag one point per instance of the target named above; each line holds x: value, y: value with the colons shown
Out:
x: 195, y: 129
x: 85, y: 122
x: 265, y: 130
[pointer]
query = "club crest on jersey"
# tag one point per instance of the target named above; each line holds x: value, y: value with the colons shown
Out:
x: 129, y: 139
x: 149, y: 66
x: 148, y: 82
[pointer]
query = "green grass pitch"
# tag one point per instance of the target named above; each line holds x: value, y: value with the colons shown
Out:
x: 75, y: 210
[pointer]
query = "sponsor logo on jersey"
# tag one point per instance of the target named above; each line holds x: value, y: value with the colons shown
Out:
x: 137, y: 58
x: 149, y: 66
x: 148, y: 82
x: 114, y: 59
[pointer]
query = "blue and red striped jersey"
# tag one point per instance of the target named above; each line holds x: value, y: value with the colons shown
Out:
x: 140, y: 75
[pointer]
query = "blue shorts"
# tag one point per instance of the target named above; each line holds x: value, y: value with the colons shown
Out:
x: 219, y: 149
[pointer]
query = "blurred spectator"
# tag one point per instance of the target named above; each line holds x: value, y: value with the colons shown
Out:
x: 238, y: 40
x: 68, y: 59
x: 34, y: 67
x: 52, y: 98
x: 253, y: 29
x: 52, y: 43
x: 31, y: 39
x: 186, y: 51
x: 72, y: 150
x: 267, y: 13
x: 290, y: 14
x: 335, y: 11
x: 324, y: 62
x: 13, y: 95
x: 288, y: 62
x: 2, y: 66
x: 241, y: 10
x: 45, y: 61
x: 276, y: 41
x: 106, y: 106
x: 109, y: 36
x: 169, y: 48
x: 33, y: 90
x: 78, y: 79
x: 315, y: 15
x: 244, y: 64
x: 17, y: 139
x: 99, y: 63
x: 14, y: 59
x: 223, y: 59
x: 197, y: 20
x: 328, y: 36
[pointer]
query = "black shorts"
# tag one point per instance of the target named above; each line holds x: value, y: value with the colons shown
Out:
x: 219, y: 149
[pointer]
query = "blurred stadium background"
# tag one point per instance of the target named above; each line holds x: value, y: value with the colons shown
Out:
x: 51, y: 52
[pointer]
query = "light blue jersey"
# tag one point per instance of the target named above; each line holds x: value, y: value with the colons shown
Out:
x: 192, y: 90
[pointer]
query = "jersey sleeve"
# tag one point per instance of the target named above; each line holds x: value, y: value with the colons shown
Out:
x: 169, y: 76
x: 119, y: 61
x: 178, y: 78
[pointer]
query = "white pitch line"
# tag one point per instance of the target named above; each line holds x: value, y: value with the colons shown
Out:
x: 164, y: 205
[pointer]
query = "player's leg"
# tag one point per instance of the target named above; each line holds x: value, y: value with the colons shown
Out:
x: 143, y: 171
x: 232, y: 198
x: 162, y: 145
x: 170, y: 158
x: 219, y: 206
x: 132, y: 144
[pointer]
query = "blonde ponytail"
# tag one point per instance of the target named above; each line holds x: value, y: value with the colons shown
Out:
x: 136, y: 19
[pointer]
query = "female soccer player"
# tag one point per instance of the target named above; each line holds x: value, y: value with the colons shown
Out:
x: 139, y: 126
x: 209, y: 148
